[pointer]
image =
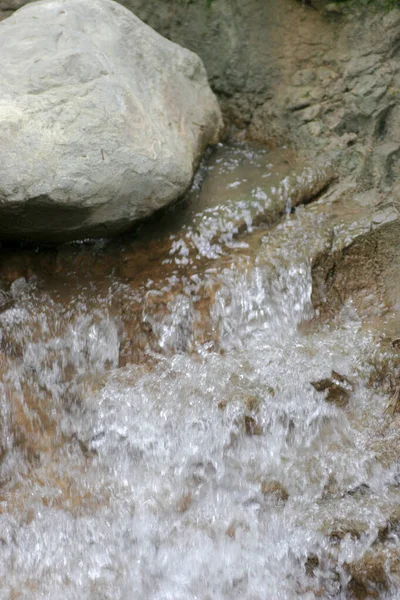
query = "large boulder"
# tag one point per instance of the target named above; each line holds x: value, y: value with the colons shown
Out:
x: 102, y: 120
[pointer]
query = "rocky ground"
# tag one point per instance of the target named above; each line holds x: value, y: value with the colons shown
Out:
x: 94, y: 137
x: 319, y: 76
x: 325, y: 81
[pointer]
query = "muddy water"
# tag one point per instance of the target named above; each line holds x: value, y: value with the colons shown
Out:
x: 160, y: 436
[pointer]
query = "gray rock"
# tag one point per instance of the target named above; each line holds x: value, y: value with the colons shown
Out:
x: 102, y: 120
x: 271, y: 62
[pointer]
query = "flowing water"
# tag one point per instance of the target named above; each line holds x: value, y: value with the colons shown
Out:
x: 160, y: 437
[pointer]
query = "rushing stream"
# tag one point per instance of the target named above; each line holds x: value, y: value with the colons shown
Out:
x: 160, y: 436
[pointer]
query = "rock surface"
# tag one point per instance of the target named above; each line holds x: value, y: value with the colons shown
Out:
x: 102, y: 121
x: 316, y: 73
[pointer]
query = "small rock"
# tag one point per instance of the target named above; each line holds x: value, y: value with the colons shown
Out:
x: 251, y: 426
x: 336, y: 535
x: 274, y: 489
x: 234, y: 527
x: 393, y: 406
x: 338, y: 388
x: 311, y: 564
x: 18, y: 287
x: 370, y: 575
x: 6, y: 301
x: 358, y: 491
x: 222, y: 404
x: 342, y: 379
x: 395, y: 343
x: 391, y: 527
x: 339, y: 529
x: 253, y: 403
x: 184, y: 502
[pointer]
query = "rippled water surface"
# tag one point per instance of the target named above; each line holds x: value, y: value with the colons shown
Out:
x: 160, y: 436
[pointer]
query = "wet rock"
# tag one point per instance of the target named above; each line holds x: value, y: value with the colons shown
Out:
x: 370, y: 576
x: 6, y: 301
x: 338, y: 396
x: 251, y: 426
x: 358, y: 491
x: 342, y: 379
x: 311, y: 564
x: 395, y: 343
x: 339, y: 529
x: 253, y: 403
x: 107, y: 118
x: 385, y: 376
x: 30, y: 427
x: 235, y: 527
x: 274, y: 489
x: 184, y: 502
x: 338, y: 389
x: 385, y: 444
x: 332, y: 489
x: 391, y: 527
x: 393, y: 406
x: 336, y: 535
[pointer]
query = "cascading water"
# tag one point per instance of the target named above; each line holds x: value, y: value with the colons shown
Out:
x: 211, y: 468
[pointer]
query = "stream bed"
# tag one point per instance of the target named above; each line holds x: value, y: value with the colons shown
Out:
x: 165, y: 430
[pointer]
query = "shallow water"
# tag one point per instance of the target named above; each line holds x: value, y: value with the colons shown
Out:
x: 160, y: 435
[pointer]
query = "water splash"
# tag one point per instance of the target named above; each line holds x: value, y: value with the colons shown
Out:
x: 214, y: 470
